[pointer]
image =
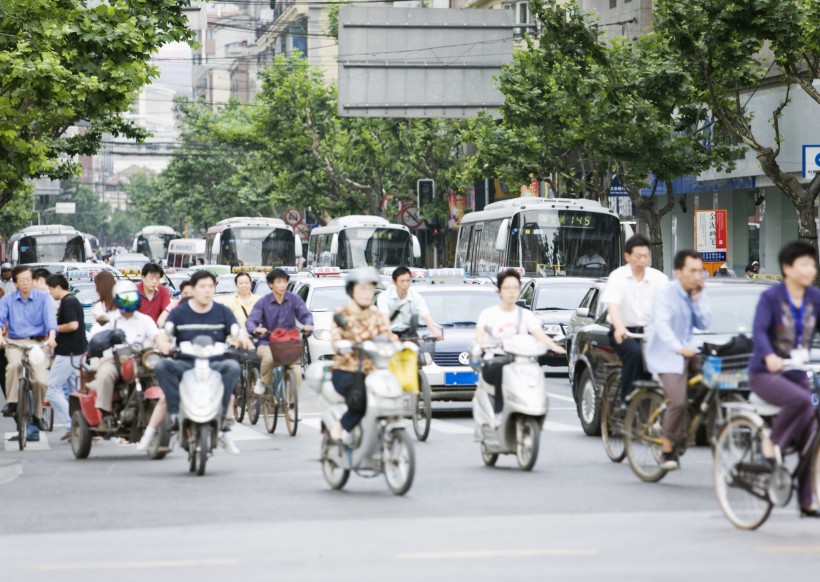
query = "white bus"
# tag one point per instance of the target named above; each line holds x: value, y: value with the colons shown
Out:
x: 51, y: 243
x: 360, y: 241
x: 152, y: 241
x: 183, y: 252
x: 540, y: 237
x: 252, y: 243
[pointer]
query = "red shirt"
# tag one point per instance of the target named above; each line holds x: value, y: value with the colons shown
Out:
x: 153, y: 308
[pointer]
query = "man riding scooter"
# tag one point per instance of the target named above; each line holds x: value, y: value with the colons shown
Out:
x: 505, y: 321
x: 200, y: 316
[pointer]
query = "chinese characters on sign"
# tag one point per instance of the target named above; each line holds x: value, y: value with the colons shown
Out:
x: 711, y: 238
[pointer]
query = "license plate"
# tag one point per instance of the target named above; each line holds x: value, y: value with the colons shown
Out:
x: 460, y: 378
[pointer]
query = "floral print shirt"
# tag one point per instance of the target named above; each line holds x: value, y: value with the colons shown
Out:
x: 362, y: 325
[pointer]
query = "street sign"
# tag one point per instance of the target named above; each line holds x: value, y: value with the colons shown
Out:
x: 422, y: 62
x: 293, y: 216
x: 811, y: 160
x: 409, y: 216
x: 711, y: 238
x: 64, y: 208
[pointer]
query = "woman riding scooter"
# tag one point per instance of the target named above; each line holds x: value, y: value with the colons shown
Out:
x: 363, y: 321
x: 505, y: 321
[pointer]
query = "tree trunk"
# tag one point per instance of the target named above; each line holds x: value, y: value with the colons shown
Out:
x: 652, y: 219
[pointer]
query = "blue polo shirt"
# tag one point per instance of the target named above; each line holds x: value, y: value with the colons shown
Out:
x: 34, y: 317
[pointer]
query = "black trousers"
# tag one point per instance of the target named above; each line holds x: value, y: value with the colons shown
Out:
x: 632, y: 365
x: 493, y: 372
x: 3, y: 364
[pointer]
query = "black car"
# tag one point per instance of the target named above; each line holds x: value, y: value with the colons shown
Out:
x: 733, y: 304
x: 553, y: 300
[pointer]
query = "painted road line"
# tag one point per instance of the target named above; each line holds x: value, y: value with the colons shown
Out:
x: 552, y: 426
x: 791, y: 549
x: 245, y: 433
x: 41, y: 445
x: 450, y: 427
x: 512, y: 553
x: 137, y: 565
x: 561, y: 397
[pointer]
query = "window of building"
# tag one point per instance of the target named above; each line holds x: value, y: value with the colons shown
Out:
x: 613, y: 3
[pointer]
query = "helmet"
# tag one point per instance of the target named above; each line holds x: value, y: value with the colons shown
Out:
x: 126, y: 296
x: 361, y: 275
x: 5, y: 267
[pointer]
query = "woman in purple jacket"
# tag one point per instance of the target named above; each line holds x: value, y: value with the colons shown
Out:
x: 787, y: 318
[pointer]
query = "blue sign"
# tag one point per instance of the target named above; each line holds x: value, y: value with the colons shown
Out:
x: 714, y: 257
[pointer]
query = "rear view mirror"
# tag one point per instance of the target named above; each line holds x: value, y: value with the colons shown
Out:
x: 168, y: 328
x: 521, y: 303
x: 235, y: 330
x: 582, y: 312
x: 416, y: 248
x: 503, y: 233
x: 339, y: 319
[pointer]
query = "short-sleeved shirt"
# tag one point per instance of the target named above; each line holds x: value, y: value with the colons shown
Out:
x: 501, y: 325
x: 633, y: 297
x: 71, y: 343
x: 413, y: 303
x: 153, y: 308
x: 361, y: 325
x: 189, y: 324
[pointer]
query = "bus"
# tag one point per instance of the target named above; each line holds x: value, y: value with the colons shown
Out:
x: 540, y: 237
x: 152, y: 241
x: 355, y: 241
x: 184, y: 252
x: 252, y: 243
x: 51, y: 243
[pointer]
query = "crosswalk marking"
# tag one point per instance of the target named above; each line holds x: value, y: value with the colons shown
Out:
x: 41, y: 445
x: 561, y: 397
x: 445, y: 427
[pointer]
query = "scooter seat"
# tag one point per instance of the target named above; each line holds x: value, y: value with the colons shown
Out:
x: 762, y: 407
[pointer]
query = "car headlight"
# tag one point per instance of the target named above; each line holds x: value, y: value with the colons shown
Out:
x: 552, y: 329
x: 322, y: 334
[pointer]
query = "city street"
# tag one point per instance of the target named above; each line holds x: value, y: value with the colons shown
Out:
x: 269, y: 511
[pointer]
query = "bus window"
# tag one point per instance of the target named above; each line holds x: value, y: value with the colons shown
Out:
x: 375, y: 247
x: 488, y: 260
x: 463, y: 245
x: 514, y: 243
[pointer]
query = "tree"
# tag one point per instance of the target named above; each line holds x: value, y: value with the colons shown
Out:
x: 732, y: 48
x: 592, y: 108
x: 66, y: 63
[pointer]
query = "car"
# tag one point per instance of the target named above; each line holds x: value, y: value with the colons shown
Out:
x: 733, y: 303
x: 322, y: 296
x: 130, y: 264
x: 553, y: 300
x: 74, y: 270
x: 86, y: 293
x: 455, y: 305
x: 588, y: 311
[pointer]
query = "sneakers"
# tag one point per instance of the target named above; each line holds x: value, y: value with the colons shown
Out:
x: 669, y: 462
x: 226, y: 440
x: 259, y: 387
x: 145, y: 441
x: 173, y: 423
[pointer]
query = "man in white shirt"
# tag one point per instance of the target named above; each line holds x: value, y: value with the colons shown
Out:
x: 591, y: 258
x: 400, y: 303
x: 628, y: 297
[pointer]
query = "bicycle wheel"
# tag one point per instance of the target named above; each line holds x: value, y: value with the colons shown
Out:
x: 612, y: 419
x: 23, y: 405
x: 423, y: 415
x: 253, y: 400
x: 270, y: 403
x: 642, y: 435
x: 740, y: 478
x: 204, y: 448
x: 290, y: 402
x: 239, y: 398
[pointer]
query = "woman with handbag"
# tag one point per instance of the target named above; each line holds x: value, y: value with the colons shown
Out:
x: 363, y: 321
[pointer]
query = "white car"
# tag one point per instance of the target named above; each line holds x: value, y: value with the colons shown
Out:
x: 322, y: 295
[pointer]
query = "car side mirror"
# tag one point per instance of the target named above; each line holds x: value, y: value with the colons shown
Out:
x: 521, y: 303
x: 582, y: 312
x: 339, y: 319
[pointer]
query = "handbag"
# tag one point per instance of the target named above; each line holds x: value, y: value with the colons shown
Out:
x: 285, y: 346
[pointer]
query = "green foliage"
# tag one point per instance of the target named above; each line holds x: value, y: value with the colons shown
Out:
x: 68, y: 61
x: 17, y: 214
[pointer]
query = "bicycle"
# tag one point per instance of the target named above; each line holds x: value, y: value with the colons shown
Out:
x: 244, y: 396
x: 423, y: 405
x: 747, y: 487
x: 647, y: 405
x: 282, y: 393
x: 25, y: 392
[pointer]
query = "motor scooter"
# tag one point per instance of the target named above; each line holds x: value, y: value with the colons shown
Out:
x: 518, y: 429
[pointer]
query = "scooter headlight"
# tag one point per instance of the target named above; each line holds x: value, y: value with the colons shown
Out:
x: 150, y: 360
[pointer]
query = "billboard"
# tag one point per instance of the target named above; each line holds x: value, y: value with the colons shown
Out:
x: 421, y: 62
x: 711, y: 238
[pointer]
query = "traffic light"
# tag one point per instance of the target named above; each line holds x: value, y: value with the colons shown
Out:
x: 426, y: 190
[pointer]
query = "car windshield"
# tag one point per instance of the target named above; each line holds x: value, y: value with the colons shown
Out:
x: 86, y: 294
x: 327, y: 298
x: 225, y: 285
x: 558, y: 297
x: 733, y: 308
x: 464, y: 311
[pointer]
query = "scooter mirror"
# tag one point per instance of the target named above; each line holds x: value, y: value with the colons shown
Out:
x: 235, y: 331
x: 339, y: 319
x: 169, y: 328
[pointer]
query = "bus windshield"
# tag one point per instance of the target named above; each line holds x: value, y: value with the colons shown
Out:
x: 154, y: 246
x: 55, y: 248
x: 567, y: 243
x: 257, y: 246
x: 374, y: 247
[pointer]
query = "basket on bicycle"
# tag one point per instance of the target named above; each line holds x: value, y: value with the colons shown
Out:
x: 285, y: 346
x: 726, y: 373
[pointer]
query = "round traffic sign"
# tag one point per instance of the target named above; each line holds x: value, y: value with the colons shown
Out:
x: 410, y: 216
x: 293, y: 216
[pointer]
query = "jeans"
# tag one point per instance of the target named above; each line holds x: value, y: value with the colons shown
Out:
x: 341, y: 382
x: 632, y: 366
x: 169, y: 373
x: 64, y: 372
